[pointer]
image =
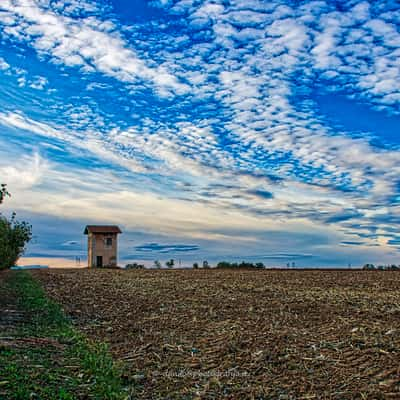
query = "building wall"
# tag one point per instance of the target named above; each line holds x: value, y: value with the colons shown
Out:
x: 97, y: 246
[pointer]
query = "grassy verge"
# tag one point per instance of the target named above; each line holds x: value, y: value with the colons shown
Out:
x: 45, y: 357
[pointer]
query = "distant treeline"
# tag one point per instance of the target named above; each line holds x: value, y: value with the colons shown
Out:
x: 134, y: 266
x: 222, y: 264
x: 372, y: 267
x: 242, y: 265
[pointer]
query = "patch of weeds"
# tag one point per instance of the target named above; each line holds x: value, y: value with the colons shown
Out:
x: 49, y: 358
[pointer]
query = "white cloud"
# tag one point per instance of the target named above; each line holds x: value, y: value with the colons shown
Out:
x: 21, y: 81
x: 39, y: 83
x: 3, y: 64
x: 50, y: 189
x: 26, y: 172
x: 247, y: 67
x: 76, y: 43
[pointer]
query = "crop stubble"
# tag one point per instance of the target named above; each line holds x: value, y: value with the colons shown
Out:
x: 214, y: 334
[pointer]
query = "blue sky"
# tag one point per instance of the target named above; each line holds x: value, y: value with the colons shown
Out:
x: 257, y: 130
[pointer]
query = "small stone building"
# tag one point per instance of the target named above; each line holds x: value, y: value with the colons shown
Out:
x: 102, y: 245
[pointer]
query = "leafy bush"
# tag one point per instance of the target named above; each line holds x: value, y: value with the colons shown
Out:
x: 371, y: 267
x: 3, y: 192
x: 134, y: 266
x: 242, y: 265
x: 14, y: 235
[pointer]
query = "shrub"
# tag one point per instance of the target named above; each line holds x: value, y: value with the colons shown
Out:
x: 242, y: 265
x: 369, y: 267
x: 14, y: 235
x: 3, y: 192
x: 134, y: 266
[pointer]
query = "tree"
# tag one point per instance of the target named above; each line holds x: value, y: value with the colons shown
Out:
x: 3, y: 192
x: 242, y: 265
x: 14, y: 235
x: 205, y: 264
x: 224, y: 264
x: 157, y: 264
x: 369, y: 267
x: 195, y: 265
x: 170, y: 263
x: 134, y: 266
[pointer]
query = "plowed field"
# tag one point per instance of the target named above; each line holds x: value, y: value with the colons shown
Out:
x: 214, y: 334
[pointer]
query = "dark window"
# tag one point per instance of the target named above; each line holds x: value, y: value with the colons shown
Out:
x: 109, y: 242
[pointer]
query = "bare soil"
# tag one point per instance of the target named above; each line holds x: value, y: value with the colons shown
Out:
x: 214, y: 334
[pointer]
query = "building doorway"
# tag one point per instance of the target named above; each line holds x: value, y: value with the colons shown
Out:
x: 99, y: 261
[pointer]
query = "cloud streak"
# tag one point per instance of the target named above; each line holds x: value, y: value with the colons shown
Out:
x: 167, y: 248
x: 75, y: 43
x: 210, y: 107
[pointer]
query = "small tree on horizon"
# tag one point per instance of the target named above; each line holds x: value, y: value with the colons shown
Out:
x: 369, y: 267
x: 134, y: 266
x: 195, y: 265
x: 170, y: 263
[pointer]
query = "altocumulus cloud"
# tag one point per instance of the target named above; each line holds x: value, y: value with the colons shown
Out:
x: 166, y: 248
x: 196, y: 117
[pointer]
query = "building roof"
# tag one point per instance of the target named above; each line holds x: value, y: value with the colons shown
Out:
x: 102, y: 229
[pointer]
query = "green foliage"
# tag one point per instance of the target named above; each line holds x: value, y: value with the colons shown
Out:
x: 170, y: 263
x: 157, y: 264
x: 3, y: 192
x: 195, y: 265
x: 48, y: 317
x: 242, y: 265
x: 372, y: 267
x: 134, y: 266
x: 14, y: 235
x: 206, y: 264
x: 43, y: 372
x: 369, y: 267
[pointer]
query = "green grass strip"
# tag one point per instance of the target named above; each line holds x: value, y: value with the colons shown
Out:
x: 61, y: 363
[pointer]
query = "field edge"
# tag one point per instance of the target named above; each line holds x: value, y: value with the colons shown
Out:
x: 44, y: 356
